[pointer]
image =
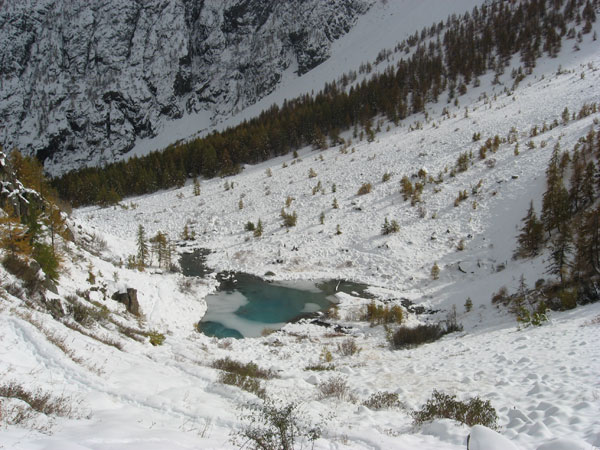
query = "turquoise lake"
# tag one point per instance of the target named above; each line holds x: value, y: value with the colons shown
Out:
x: 245, y: 304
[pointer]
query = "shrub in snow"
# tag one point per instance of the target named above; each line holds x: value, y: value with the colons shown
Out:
x: 435, y: 271
x: 405, y: 337
x: 475, y: 411
x: 289, y: 220
x: 383, y: 400
x: 326, y: 355
x: 379, y: 314
x: 248, y: 370
x: 25, y: 271
x: 156, y: 338
x: 335, y: 387
x: 463, y: 161
x: 348, y: 347
x: 389, y: 227
x: 31, y: 402
x: 272, y: 426
x: 245, y: 383
x: 259, y: 229
x: 365, y: 188
x: 501, y: 297
x: 243, y: 376
x: 406, y: 188
x: 320, y: 367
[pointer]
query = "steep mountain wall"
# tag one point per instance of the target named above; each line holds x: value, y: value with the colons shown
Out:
x: 88, y: 78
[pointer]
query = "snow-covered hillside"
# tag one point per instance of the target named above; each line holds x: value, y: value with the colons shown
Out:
x: 543, y: 381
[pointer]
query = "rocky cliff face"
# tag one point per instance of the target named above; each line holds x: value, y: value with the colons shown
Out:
x: 81, y: 80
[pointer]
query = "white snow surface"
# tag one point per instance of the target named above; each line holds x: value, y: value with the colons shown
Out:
x: 543, y: 381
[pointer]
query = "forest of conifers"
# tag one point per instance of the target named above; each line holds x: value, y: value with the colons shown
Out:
x: 447, y: 56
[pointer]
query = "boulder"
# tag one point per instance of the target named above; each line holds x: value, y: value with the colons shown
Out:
x: 129, y: 299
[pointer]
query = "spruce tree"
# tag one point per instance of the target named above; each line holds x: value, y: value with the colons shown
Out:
x: 258, y: 231
x: 587, y: 246
x: 561, y: 247
x: 531, y: 237
x: 14, y: 237
x: 555, y: 202
x: 56, y: 225
x: 142, y: 246
x: 435, y: 271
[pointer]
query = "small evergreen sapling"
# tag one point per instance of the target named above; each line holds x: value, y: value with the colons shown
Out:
x: 259, y: 229
x: 468, y: 304
x: 435, y: 271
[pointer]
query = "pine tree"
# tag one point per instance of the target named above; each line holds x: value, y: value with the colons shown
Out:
x: 258, y: 231
x: 589, y: 193
x: 435, y: 271
x: 561, y: 247
x: 142, y: 246
x: 162, y: 249
x: 555, y: 202
x: 531, y: 237
x: 576, y: 194
x: 33, y: 222
x: 468, y: 304
x: 14, y: 237
x: 196, y: 187
x: 56, y: 225
x: 587, y: 246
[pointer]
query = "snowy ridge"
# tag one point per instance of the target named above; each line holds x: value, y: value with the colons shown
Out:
x: 542, y: 381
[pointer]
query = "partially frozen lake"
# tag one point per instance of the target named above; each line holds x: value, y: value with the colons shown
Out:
x: 246, y: 305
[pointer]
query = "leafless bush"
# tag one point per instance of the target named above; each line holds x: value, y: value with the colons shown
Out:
x: 20, y: 406
x: 336, y: 387
x: 348, y: 347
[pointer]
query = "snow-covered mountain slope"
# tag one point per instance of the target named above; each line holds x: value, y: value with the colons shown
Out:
x: 85, y: 84
x: 82, y: 81
x: 542, y: 381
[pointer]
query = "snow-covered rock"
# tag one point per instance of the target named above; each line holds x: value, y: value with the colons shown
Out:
x: 483, y: 438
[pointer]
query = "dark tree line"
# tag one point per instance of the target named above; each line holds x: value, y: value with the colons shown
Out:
x: 446, y: 56
x: 570, y: 219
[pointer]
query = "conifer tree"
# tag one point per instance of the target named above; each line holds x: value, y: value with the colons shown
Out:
x: 561, y: 246
x: 588, y: 189
x: 142, y: 246
x: 576, y: 194
x: 196, y: 187
x: 162, y: 248
x: 34, y: 223
x: 435, y: 271
x: 56, y: 225
x: 587, y: 246
x: 531, y: 237
x: 555, y: 203
x: 258, y: 231
x: 14, y: 237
